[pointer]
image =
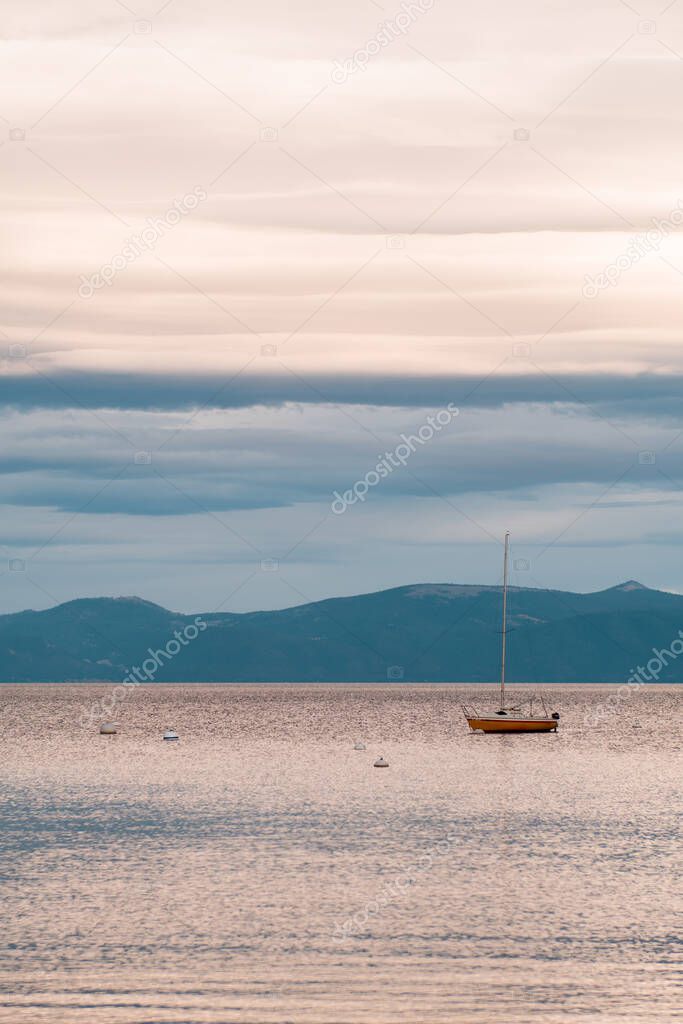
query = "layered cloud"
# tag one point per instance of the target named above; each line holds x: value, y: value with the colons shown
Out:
x: 425, y: 228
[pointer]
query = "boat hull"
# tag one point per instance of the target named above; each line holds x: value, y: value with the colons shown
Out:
x: 508, y: 723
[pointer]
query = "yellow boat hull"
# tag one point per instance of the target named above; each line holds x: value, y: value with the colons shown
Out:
x: 508, y: 723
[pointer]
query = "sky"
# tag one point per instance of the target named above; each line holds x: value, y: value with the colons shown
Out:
x: 249, y: 253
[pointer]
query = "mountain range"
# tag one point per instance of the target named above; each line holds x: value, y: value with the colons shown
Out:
x: 420, y: 633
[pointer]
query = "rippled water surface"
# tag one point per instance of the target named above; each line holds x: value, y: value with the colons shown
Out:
x: 261, y: 870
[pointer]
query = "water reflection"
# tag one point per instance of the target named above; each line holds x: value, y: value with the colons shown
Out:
x: 211, y: 879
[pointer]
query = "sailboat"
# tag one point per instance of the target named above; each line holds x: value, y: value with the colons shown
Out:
x: 508, y: 718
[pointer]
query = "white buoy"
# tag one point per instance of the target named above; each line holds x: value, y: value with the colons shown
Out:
x: 108, y: 729
x: 381, y: 763
x: 359, y: 746
x: 171, y: 734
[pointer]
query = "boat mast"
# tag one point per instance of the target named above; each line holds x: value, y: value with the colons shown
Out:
x: 505, y: 602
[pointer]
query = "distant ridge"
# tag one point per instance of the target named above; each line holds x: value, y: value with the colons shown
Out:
x: 421, y: 632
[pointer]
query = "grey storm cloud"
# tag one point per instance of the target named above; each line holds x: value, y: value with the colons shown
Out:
x: 156, y: 464
x: 650, y: 394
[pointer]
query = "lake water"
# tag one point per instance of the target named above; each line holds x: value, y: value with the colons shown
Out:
x: 261, y: 870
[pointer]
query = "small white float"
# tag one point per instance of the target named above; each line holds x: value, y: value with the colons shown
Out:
x: 108, y: 729
x: 381, y: 763
x: 171, y: 734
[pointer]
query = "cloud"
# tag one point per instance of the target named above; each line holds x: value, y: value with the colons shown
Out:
x: 162, y: 464
x: 657, y: 396
x: 512, y: 151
